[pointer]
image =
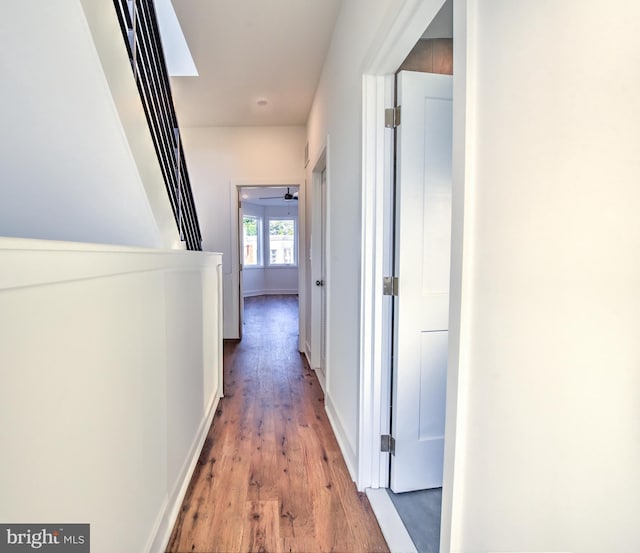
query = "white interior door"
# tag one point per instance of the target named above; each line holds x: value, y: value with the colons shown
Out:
x: 422, y: 260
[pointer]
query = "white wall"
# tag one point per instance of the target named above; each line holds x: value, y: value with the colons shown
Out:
x: 548, y: 431
x: 220, y: 159
x: 261, y: 281
x: 336, y: 113
x: 111, y: 364
x: 68, y: 172
x: 547, y: 202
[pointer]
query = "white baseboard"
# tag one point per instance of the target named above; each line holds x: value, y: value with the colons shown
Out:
x: 285, y: 292
x: 171, y: 506
x: 322, y: 379
x: 393, y: 529
x: 319, y: 374
x: 338, y: 429
x: 155, y: 531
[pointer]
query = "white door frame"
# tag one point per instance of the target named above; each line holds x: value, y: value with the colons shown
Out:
x: 317, y: 227
x: 302, y: 253
x: 240, y: 247
x: 393, y: 44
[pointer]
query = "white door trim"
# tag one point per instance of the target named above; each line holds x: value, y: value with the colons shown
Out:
x: 375, y: 309
x: 393, y: 44
x: 322, y: 162
x: 315, y: 246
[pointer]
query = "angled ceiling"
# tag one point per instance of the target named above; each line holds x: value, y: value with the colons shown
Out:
x: 258, y: 61
x: 442, y: 24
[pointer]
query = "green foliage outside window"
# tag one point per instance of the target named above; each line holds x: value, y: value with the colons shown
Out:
x: 250, y: 226
x: 280, y: 227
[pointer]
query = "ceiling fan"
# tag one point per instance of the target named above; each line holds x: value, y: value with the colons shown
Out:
x: 287, y: 197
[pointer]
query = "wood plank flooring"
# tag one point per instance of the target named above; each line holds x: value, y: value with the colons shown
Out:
x: 271, y: 477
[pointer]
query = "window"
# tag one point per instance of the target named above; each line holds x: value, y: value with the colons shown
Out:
x: 251, y: 241
x: 282, y: 241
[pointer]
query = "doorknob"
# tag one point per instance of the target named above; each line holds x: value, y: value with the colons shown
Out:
x: 319, y: 282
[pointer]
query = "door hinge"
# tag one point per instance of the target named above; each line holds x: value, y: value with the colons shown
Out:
x: 392, y: 117
x: 387, y: 444
x: 390, y: 286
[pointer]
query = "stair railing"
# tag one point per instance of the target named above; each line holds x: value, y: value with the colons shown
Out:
x: 139, y: 25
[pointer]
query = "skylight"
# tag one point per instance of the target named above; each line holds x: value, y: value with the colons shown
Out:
x: 176, y: 50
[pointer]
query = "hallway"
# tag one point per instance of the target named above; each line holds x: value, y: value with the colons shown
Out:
x: 271, y: 477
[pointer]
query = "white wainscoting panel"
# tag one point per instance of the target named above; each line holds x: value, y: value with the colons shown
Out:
x: 111, y: 367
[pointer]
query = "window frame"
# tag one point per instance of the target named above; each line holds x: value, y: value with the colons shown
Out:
x: 267, y: 238
x: 259, y: 241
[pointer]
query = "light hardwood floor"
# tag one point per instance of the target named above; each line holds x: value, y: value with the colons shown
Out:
x: 271, y: 477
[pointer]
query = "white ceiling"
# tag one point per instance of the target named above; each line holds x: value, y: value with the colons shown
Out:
x: 268, y: 195
x: 248, y: 50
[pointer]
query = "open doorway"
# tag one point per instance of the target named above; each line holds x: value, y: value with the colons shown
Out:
x: 268, y: 243
x: 421, y: 254
x: 427, y: 348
